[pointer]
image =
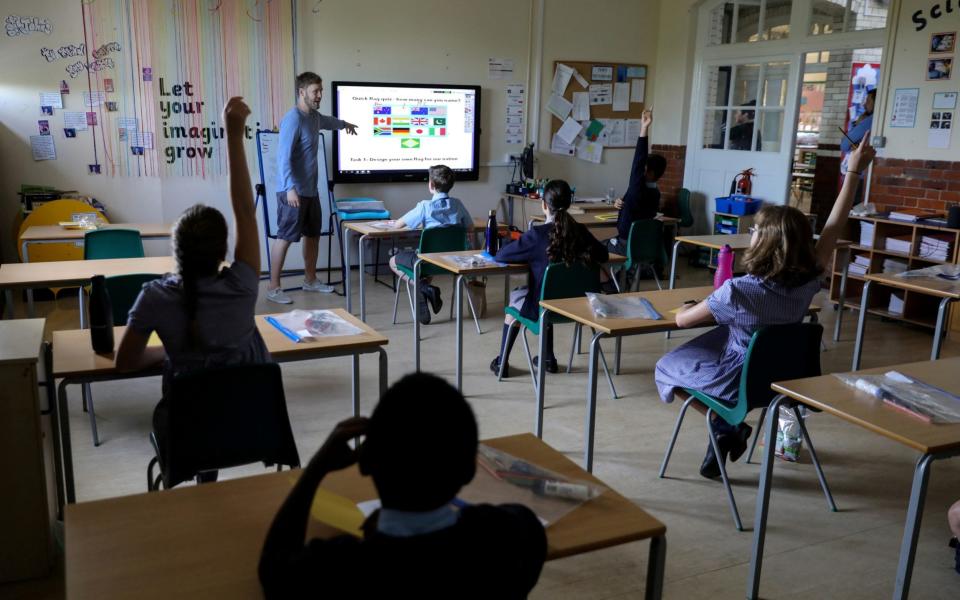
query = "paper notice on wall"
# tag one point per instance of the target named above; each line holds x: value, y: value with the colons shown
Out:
x: 513, y: 121
x: 570, y: 130
x: 51, y: 99
x: 558, y: 146
x: 42, y: 147
x: 92, y: 99
x: 941, y: 126
x: 601, y: 73
x: 638, y: 88
x: 75, y: 120
x: 631, y: 132
x: 580, y: 78
x: 601, y: 93
x: 143, y: 139
x: 516, y: 94
x: 945, y: 100
x: 589, y: 151
x: 904, y: 113
x: 559, y: 106
x: 500, y: 68
x: 621, y: 97
x: 593, y: 129
x: 614, y: 132
x: 561, y: 79
x: 636, y: 72
x: 938, y: 138
x: 581, y: 106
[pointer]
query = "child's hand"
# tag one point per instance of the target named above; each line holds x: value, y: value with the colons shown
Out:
x: 335, y: 454
x: 618, y: 203
x: 861, y: 156
x: 646, y: 118
x: 235, y: 114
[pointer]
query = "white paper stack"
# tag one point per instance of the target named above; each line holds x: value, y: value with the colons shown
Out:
x: 934, y: 248
x: 896, y: 304
x: 860, y: 265
x: 866, y: 234
x: 894, y: 266
x: 898, y: 244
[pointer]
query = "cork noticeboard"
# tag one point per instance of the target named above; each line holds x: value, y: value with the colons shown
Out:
x: 599, y: 73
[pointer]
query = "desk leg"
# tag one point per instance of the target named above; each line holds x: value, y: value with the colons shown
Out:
x: 541, y: 373
x: 616, y: 366
x: 459, y: 284
x: 355, y: 383
x: 938, y: 330
x: 346, y: 269
x: 383, y: 370
x: 363, y: 294
x: 65, y: 448
x: 908, y: 547
x: 658, y: 557
x: 861, y: 323
x: 54, y: 425
x: 842, y: 297
x: 416, y: 315
x: 591, y: 418
x: 9, y: 308
x: 763, y: 500
x: 506, y: 290
x: 673, y: 265
x: 30, y: 313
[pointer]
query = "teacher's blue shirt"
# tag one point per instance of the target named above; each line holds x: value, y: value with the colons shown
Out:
x: 299, y: 143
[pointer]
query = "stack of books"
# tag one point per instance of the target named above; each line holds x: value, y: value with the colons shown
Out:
x: 896, y: 303
x: 859, y: 265
x: 893, y: 266
x: 935, y: 247
x: 913, y: 214
x: 900, y: 243
x: 866, y: 234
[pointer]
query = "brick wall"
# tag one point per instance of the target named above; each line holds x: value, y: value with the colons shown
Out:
x: 931, y: 184
x: 672, y: 179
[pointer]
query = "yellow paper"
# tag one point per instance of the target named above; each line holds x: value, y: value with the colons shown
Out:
x: 676, y: 310
x: 337, y: 511
x: 154, y: 340
x: 607, y: 216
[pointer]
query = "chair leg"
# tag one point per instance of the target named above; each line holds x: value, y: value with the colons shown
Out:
x: 150, y: 478
x: 92, y: 414
x: 606, y: 371
x: 526, y: 349
x: 573, y: 346
x: 816, y: 461
x: 636, y: 279
x: 396, y: 303
x: 473, y: 311
x: 756, y: 437
x: 410, y: 297
x: 723, y: 472
x: 673, y: 438
x: 655, y: 278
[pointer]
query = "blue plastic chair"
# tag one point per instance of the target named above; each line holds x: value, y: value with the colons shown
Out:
x: 775, y: 353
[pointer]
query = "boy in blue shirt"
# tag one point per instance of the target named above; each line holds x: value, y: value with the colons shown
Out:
x: 440, y: 211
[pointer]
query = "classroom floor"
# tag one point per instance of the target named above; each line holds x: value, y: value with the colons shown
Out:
x: 810, y: 551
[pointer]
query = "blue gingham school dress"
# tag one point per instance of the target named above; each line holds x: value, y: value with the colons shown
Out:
x: 711, y: 363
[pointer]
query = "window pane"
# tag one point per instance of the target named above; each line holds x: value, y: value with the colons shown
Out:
x: 714, y: 125
x: 771, y: 130
x: 775, y: 84
x: 776, y: 23
x: 718, y: 86
x: 745, y: 85
x: 867, y: 14
x: 748, y: 21
x: 741, y: 130
x: 721, y: 23
x: 827, y: 16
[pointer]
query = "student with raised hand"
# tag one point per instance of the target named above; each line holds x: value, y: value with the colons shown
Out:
x: 559, y: 239
x: 439, y: 211
x: 784, y: 267
x: 203, y: 314
x: 420, y: 448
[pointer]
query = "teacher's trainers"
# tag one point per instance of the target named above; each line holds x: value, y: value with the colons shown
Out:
x: 279, y: 296
x: 316, y: 286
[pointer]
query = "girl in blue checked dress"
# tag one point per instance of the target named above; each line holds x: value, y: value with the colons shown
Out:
x: 783, y: 274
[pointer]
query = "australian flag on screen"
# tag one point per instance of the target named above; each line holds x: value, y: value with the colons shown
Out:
x: 418, y: 110
x: 381, y: 110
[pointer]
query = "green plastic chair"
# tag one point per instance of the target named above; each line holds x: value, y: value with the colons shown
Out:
x: 559, y: 281
x: 450, y: 238
x: 112, y: 243
x: 124, y: 290
x: 775, y: 353
x: 644, y: 249
x: 683, y: 203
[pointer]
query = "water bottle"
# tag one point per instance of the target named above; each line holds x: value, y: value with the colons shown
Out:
x: 492, y: 244
x: 724, y: 266
x: 101, y: 316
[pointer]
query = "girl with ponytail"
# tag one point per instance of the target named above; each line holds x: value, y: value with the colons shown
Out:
x: 560, y: 239
x: 203, y: 314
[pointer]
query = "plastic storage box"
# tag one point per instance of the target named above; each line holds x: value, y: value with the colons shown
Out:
x: 738, y: 204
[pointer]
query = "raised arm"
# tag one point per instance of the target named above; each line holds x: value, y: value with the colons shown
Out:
x: 235, y: 115
x: 859, y: 161
x: 642, y: 150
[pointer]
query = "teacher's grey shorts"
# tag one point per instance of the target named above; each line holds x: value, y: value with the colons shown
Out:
x: 292, y: 223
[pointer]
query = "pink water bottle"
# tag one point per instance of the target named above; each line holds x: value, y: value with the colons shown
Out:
x: 724, y: 266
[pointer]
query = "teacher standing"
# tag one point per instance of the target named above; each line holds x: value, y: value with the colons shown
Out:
x: 298, y: 198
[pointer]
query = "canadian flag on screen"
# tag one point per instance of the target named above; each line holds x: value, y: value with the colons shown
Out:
x: 381, y: 120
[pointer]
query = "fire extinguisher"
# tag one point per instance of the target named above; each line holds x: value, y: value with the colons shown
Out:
x: 741, y: 184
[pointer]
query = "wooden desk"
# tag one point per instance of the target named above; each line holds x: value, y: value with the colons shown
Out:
x: 442, y: 260
x: 947, y: 291
x: 207, y: 539
x: 54, y: 234
x: 365, y: 230
x: 832, y: 396
x: 596, y: 219
x: 75, y: 362
x: 67, y: 273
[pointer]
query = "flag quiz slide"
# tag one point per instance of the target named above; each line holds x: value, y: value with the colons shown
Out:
x: 406, y: 128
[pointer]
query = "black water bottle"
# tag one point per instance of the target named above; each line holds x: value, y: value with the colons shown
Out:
x: 492, y: 239
x: 101, y: 316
